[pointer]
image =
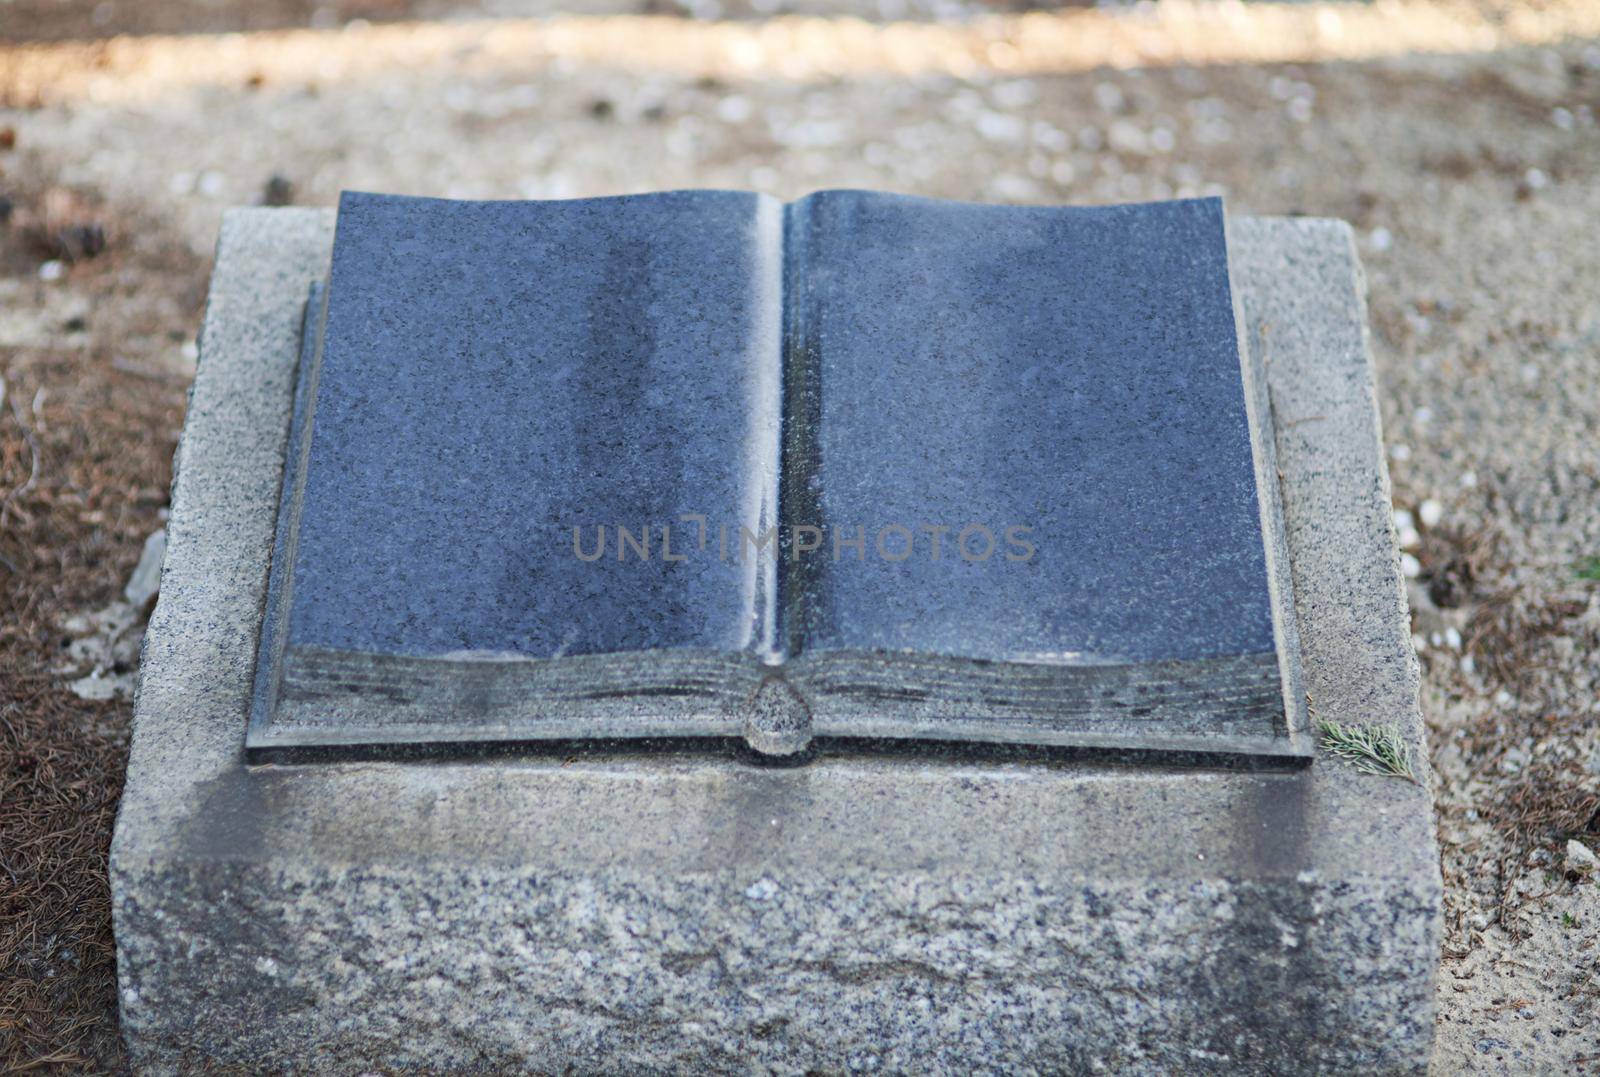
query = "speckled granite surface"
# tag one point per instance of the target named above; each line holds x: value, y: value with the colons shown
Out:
x: 1073, y: 370
x: 627, y: 913
x: 1018, y: 499
x: 495, y: 374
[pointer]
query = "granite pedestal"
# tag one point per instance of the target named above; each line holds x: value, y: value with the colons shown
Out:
x: 692, y: 911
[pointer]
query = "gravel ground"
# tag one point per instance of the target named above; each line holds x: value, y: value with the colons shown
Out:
x: 1467, y: 163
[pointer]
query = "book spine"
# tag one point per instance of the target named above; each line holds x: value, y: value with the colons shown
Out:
x: 765, y: 434
x: 798, y: 495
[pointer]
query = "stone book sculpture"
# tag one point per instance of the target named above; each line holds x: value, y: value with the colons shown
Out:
x: 703, y: 464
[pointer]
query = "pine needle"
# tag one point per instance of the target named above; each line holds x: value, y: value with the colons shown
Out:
x: 1377, y: 749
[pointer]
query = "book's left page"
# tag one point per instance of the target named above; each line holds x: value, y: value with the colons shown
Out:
x: 518, y: 428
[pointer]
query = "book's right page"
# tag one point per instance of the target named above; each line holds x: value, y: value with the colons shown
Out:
x: 1020, y: 440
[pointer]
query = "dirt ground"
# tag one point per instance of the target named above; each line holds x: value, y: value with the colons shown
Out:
x: 1461, y: 142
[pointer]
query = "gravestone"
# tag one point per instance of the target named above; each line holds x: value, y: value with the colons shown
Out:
x: 349, y: 839
x: 1034, y: 427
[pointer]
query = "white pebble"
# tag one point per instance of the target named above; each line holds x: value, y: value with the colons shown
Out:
x: 1536, y: 179
x: 734, y: 109
x: 1405, y: 528
x: 1469, y: 479
x: 1468, y: 666
x: 1430, y: 512
x: 1423, y: 415
x: 1012, y: 188
x: 1402, y: 453
x: 1410, y: 566
x: 999, y: 127
x: 51, y: 270
x: 1380, y: 239
x: 1127, y: 138
x: 1015, y: 94
x: 1562, y: 118
x: 1452, y: 638
x: 1051, y: 138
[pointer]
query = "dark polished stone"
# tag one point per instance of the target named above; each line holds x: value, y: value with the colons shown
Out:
x: 552, y: 462
x: 494, y: 374
x: 1074, y: 372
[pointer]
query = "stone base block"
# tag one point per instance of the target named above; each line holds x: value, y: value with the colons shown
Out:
x: 627, y: 911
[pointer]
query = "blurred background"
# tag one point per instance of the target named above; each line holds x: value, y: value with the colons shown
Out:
x: 1459, y: 140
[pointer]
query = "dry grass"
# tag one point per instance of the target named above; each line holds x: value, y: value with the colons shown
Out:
x: 85, y: 450
x: 1530, y: 785
x: 1551, y: 804
x: 59, y: 781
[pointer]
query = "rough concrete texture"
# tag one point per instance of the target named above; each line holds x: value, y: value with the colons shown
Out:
x: 635, y: 913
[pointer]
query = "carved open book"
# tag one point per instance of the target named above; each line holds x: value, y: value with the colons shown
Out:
x: 704, y: 464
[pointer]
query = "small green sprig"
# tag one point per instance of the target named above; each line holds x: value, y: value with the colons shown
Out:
x: 1373, y: 749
